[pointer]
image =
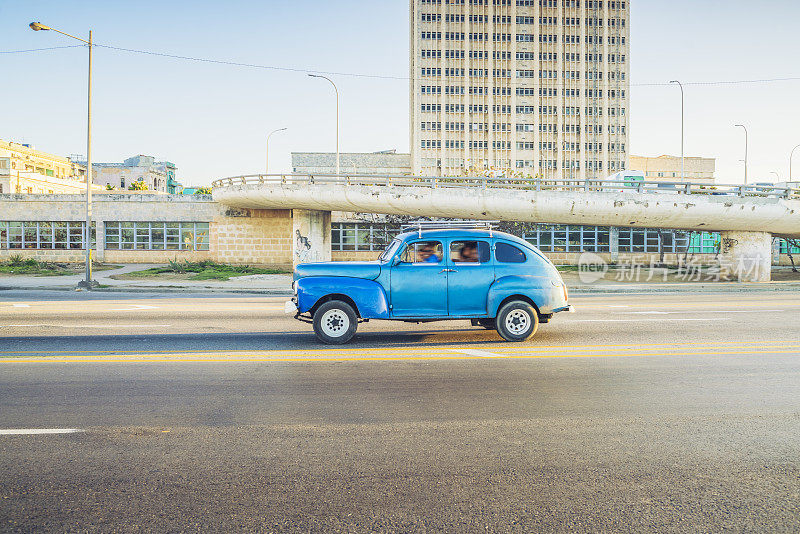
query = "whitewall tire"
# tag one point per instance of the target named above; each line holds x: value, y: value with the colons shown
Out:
x: 517, y: 321
x: 335, y: 322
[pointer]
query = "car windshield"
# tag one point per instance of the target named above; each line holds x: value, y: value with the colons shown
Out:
x: 390, y: 250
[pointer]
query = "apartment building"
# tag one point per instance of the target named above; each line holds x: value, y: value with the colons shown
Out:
x: 534, y: 87
x: 24, y: 169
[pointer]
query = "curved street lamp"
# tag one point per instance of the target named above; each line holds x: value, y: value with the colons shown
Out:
x: 683, y: 175
x: 337, y: 115
x: 791, y: 154
x: 87, y: 284
x: 745, y: 150
x: 266, y: 168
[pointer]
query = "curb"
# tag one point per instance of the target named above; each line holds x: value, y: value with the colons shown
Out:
x: 157, y: 289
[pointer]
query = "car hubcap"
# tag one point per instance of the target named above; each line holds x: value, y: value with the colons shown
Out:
x: 518, y: 322
x: 335, y: 323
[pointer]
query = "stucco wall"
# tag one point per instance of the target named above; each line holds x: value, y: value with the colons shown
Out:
x: 255, y: 237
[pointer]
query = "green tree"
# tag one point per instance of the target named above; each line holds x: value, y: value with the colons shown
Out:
x: 203, y: 191
x: 138, y: 186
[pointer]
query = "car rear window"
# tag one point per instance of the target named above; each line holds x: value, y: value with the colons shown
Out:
x: 505, y: 253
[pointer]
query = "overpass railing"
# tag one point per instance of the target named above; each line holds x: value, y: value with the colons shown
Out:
x: 528, y: 184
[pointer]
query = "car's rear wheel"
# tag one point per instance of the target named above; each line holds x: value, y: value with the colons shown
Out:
x: 517, y: 321
x: 335, y: 322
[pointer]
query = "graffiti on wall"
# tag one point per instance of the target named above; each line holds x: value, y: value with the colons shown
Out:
x: 303, y: 250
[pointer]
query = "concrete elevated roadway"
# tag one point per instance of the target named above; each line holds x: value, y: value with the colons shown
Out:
x: 747, y: 216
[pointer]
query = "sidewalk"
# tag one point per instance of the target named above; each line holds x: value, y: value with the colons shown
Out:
x: 268, y: 284
x: 280, y: 284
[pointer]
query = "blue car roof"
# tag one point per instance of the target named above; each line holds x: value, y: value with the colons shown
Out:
x: 473, y: 233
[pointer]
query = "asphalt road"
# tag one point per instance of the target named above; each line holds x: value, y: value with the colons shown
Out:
x: 668, y: 412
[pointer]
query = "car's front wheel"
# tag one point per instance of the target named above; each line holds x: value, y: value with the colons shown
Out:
x: 335, y: 322
x: 517, y: 321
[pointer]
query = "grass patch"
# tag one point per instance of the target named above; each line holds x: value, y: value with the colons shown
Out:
x: 202, y: 270
x: 30, y: 267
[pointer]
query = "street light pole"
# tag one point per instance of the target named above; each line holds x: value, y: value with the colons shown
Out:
x: 683, y: 173
x: 337, y: 115
x: 791, y: 154
x: 87, y: 284
x: 266, y: 168
x: 745, y: 151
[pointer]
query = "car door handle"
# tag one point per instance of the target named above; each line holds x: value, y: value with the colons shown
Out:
x: 448, y: 271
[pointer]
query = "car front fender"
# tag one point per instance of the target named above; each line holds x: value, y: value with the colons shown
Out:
x: 539, y: 289
x: 368, y: 296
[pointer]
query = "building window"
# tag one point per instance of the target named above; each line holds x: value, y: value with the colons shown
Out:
x: 362, y: 236
x: 49, y: 235
x: 157, y: 236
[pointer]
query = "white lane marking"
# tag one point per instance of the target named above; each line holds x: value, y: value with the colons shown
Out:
x: 138, y: 307
x: 86, y: 325
x: 643, y: 320
x: 18, y: 305
x: 37, y: 431
x: 687, y: 312
x: 618, y: 306
x: 479, y: 353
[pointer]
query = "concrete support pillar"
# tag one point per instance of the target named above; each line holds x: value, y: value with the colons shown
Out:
x: 746, y: 256
x: 776, y: 251
x: 613, y: 241
x: 100, y: 241
x: 311, y: 234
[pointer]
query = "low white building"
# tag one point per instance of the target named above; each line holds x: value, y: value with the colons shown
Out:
x: 668, y: 168
x: 387, y: 162
x: 159, y: 176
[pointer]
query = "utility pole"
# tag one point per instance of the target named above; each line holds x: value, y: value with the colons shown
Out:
x: 86, y: 284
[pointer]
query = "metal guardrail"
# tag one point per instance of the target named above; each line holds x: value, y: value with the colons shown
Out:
x: 527, y: 184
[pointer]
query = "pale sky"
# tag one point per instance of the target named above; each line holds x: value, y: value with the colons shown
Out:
x: 211, y: 120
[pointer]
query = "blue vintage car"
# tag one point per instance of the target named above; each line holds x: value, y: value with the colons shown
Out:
x: 494, y: 279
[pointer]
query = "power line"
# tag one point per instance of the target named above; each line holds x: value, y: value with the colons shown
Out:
x: 39, y: 49
x: 361, y: 75
x: 253, y: 65
x: 720, y: 82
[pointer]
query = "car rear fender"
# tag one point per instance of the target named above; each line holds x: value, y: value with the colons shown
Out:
x: 537, y: 289
x: 368, y: 296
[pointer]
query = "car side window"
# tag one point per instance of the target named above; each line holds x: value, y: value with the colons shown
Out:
x: 423, y: 252
x: 505, y: 253
x: 469, y: 251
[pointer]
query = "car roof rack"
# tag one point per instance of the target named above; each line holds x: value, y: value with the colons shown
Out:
x: 447, y: 225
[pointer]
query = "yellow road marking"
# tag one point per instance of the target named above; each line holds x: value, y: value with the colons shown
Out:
x: 157, y: 359
x: 412, y: 349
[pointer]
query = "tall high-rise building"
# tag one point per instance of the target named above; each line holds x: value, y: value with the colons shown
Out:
x: 535, y: 86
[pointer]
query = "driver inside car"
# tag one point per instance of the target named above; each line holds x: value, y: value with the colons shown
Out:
x: 426, y: 254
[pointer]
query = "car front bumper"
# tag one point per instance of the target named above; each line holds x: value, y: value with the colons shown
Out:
x: 568, y: 308
x: 290, y: 307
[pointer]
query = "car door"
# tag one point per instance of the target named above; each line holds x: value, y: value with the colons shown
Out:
x: 418, y: 283
x: 470, y: 276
